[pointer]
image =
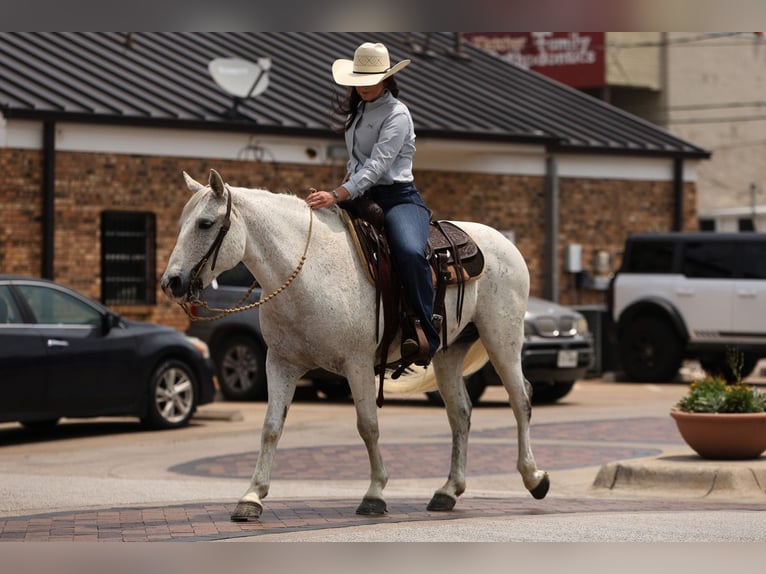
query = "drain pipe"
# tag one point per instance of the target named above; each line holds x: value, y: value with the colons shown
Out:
x: 48, y: 203
x: 551, y: 217
x: 678, y: 194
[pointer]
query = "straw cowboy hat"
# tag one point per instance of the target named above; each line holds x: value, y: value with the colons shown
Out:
x: 370, y: 66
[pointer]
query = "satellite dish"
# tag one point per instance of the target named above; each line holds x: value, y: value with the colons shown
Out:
x: 240, y: 78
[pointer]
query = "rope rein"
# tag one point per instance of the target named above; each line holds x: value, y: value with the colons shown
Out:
x: 239, y: 305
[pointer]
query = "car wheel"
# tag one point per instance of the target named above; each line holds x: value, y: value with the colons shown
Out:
x: 241, y: 369
x: 651, y: 351
x: 474, y: 385
x: 172, y: 395
x: 718, y: 364
x: 543, y: 393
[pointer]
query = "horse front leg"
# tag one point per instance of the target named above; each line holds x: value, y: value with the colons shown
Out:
x: 448, y: 369
x: 363, y: 392
x: 282, y: 379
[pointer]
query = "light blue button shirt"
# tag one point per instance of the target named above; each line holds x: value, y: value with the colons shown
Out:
x: 381, y: 145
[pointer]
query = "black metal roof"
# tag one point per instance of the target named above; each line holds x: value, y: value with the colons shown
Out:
x: 162, y: 79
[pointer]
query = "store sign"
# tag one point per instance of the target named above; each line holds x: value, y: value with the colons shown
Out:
x: 572, y: 58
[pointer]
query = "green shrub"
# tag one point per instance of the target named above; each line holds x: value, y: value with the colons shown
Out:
x: 713, y: 395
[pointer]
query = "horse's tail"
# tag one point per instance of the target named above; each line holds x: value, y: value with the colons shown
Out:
x: 422, y: 379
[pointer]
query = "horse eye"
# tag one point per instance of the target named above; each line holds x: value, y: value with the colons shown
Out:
x: 205, y: 223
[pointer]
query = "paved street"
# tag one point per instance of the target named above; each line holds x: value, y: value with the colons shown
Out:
x: 108, y: 480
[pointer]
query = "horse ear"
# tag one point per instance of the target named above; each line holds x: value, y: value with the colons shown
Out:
x: 216, y: 182
x: 193, y: 185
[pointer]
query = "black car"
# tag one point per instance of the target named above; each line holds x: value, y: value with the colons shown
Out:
x: 558, y: 347
x: 64, y: 355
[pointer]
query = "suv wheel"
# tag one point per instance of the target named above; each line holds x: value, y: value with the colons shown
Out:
x: 651, y: 351
x: 241, y: 368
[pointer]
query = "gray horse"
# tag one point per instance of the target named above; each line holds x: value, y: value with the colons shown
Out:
x: 324, y: 317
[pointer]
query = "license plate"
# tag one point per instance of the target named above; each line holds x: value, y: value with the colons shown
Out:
x: 566, y: 358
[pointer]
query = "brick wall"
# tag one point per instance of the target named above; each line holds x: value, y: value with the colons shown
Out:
x: 598, y: 214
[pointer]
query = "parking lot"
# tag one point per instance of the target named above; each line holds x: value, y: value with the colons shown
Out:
x: 112, y: 480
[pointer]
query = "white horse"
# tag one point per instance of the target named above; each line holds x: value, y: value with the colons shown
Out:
x: 324, y: 317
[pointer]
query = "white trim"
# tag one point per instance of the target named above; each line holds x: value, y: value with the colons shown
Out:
x: 435, y: 155
x: 20, y: 134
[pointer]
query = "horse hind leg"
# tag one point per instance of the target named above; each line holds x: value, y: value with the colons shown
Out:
x: 448, y: 369
x: 508, y: 367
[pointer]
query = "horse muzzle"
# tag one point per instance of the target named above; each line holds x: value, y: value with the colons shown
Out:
x: 180, y: 289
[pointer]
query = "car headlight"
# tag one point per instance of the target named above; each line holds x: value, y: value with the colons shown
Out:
x: 582, y: 325
x: 200, y: 345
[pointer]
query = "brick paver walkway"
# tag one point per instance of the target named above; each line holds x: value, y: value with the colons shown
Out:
x: 210, y: 520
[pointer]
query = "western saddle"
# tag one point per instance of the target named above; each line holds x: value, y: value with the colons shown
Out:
x: 454, y: 259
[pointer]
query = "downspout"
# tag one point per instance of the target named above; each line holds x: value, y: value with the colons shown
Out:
x: 551, y: 215
x: 678, y: 194
x: 48, y: 190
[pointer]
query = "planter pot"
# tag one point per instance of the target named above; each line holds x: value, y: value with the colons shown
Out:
x: 723, y: 436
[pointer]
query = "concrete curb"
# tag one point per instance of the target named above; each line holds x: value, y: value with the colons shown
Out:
x: 686, y: 476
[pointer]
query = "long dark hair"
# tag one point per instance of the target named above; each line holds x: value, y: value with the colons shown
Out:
x: 349, y: 106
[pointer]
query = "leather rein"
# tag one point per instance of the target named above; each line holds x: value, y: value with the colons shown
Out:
x: 195, y: 284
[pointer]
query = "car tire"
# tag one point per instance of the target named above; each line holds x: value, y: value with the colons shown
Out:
x: 474, y: 386
x: 241, y: 368
x: 172, y: 395
x: 718, y: 364
x: 545, y: 393
x: 650, y: 350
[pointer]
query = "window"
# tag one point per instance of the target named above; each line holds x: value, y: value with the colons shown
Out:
x: 128, y: 258
x: 746, y: 224
x: 53, y: 307
x: 9, y: 312
x: 709, y: 260
x: 752, y: 256
x: 651, y: 257
x: 707, y: 224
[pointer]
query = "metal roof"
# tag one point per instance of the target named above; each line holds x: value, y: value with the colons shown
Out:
x: 162, y: 79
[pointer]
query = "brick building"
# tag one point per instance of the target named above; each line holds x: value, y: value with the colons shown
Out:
x: 96, y: 128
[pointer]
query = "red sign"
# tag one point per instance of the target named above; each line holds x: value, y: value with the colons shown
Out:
x: 573, y: 58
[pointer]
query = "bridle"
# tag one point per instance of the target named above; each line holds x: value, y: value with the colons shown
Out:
x: 195, y: 283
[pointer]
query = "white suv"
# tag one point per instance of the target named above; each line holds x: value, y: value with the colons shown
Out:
x: 690, y: 295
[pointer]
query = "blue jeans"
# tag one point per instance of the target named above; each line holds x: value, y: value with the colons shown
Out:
x: 407, y: 221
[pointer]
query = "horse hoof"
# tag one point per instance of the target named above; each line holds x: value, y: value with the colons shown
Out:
x: 541, y: 489
x: 246, y: 511
x: 441, y: 502
x: 371, y: 506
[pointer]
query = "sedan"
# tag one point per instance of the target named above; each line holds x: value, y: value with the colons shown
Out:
x: 558, y: 350
x: 65, y: 355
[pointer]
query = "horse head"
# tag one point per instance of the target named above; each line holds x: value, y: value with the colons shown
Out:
x: 208, y: 240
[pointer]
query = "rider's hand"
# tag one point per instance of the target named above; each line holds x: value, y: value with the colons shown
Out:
x: 318, y: 199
